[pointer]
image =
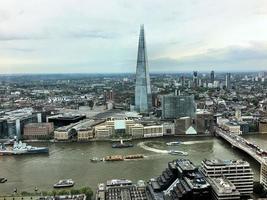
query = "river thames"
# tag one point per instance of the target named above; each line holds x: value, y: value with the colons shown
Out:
x: 72, y: 160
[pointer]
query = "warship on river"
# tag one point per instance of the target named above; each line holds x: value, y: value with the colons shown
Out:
x: 20, y: 148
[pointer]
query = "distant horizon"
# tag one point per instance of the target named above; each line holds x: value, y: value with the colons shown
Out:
x: 102, y: 73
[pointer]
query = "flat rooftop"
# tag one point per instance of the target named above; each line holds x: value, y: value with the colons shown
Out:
x: 223, y: 186
x: 185, y: 165
x: 225, y: 162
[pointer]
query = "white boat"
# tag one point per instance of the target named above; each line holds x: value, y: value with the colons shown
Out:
x: 64, y: 183
x: 173, y: 143
x: 180, y: 153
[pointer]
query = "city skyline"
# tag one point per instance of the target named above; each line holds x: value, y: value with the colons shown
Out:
x: 63, y: 37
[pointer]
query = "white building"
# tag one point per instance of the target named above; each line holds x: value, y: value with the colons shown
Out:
x: 223, y: 189
x: 237, y: 172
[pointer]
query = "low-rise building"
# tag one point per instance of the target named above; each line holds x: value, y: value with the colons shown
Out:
x: 85, y: 134
x: 61, y: 135
x: 102, y: 132
x: 182, y: 124
x: 38, y: 131
x: 153, y: 131
x: 121, y: 189
x: 137, y: 131
x: 223, y: 189
x: 168, y: 128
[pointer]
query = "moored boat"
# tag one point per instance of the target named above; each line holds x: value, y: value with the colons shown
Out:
x: 64, y: 183
x: 21, y: 148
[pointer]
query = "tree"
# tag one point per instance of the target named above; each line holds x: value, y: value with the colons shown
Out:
x: 88, y: 192
x: 74, y: 192
x: 91, y: 104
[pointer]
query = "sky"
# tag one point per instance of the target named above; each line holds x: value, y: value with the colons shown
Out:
x: 101, y: 36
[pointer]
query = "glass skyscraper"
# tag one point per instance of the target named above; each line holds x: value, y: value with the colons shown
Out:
x: 176, y: 106
x: 143, y: 98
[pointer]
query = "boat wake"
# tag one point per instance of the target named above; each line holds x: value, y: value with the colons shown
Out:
x: 195, y: 142
x: 143, y: 145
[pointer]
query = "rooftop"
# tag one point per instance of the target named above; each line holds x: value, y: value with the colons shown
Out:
x: 185, y: 165
x: 225, y: 162
x: 223, y: 186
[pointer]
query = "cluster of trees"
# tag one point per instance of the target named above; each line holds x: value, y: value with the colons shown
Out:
x: 85, y: 190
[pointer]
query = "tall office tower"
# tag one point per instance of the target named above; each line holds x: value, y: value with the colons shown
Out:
x: 237, y: 172
x: 183, y: 81
x: 143, y: 98
x: 195, y: 82
x: 212, y: 76
x: 228, y: 81
x: 174, y: 106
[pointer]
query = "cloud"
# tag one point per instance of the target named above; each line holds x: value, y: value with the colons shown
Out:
x: 248, y: 58
x: 100, y: 35
x: 92, y: 34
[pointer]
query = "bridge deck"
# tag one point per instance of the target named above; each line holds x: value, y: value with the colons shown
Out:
x: 240, y: 143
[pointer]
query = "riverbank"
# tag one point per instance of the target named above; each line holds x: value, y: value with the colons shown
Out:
x: 118, y: 139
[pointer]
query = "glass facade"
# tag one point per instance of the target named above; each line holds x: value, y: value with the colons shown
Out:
x: 143, y: 98
x: 178, y: 106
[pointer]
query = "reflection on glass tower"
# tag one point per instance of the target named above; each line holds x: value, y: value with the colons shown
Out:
x: 143, y: 99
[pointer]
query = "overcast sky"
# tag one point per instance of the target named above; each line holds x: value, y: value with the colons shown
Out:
x: 88, y: 36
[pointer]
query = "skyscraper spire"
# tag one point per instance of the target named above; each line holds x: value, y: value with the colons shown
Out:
x: 143, y: 99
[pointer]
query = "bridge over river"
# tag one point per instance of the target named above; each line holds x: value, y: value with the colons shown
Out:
x: 242, y: 144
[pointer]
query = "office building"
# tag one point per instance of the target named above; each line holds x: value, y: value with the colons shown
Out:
x: 181, y: 180
x: 228, y: 81
x: 143, y: 98
x: 34, y: 131
x: 3, y: 129
x: 116, y: 189
x: 195, y: 79
x: 178, y: 106
x: 237, y: 172
x: 64, y: 120
x: 127, y: 127
x: 13, y: 122
x: 212, y: 77
x: 182, y: 125
x: 223, y: 189
x: 182, y: 81
x: 203, y: 121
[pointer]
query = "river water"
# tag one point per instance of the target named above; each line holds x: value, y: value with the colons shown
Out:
x: 72, y: 160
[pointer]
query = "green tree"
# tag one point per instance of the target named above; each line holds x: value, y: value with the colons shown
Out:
x: 88, y: 192
x: 74, y: 191
x: 91, y: 104
x: 62, y: 192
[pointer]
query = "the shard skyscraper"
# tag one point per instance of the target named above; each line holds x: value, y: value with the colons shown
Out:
x: 143, y: 98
